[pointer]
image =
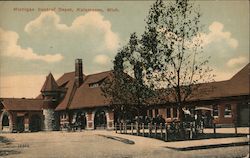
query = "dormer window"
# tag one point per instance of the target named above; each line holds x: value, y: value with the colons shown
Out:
x: 53, y: 99
x: 93, y: 85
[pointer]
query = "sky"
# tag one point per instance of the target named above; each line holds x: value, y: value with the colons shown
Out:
x: 37, y: 38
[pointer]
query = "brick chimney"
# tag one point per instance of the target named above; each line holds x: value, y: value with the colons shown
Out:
x: 78, y: 72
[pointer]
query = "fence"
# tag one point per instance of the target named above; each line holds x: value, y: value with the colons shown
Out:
x: 159, y: 131
x: 166, y: 132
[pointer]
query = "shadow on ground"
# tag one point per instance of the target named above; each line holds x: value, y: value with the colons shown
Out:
x: 174, y: 137
x: 5, y: 144
x: 5, y: 140
x: 126, y: 141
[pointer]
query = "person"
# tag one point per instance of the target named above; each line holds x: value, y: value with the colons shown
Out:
x: 162, y: 120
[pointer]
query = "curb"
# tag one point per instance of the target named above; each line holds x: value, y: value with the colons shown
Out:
x: 210, y: 146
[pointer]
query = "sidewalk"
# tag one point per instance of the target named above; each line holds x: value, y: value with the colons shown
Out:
x: 240, y: 130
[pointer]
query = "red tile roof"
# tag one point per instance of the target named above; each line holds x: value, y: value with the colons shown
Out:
x: 238, y: 85
x: 86, y: 96
x: 49, y: 84
x: 19, y: 104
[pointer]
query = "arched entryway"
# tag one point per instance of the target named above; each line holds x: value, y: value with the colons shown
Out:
x: 100, y: 120
x: 81, y: 120
x: 35, y: 123
x: 5, y: 122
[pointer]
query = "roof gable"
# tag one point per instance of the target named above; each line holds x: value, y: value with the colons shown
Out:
x: 83, y: 96
x: 49, y: 84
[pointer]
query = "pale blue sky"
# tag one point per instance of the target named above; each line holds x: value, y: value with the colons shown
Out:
x: 34, y: 44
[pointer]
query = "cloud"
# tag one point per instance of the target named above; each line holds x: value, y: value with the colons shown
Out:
x: 217, y: 34
x: 9, y: 47
x: 86, y: 36
x: 101, y: 59
x: 237, y: 62
x: 91, y: 26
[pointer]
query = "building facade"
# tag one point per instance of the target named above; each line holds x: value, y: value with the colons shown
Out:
x: 76, y: 100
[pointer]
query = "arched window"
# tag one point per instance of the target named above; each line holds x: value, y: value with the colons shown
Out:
x: 5, y: 121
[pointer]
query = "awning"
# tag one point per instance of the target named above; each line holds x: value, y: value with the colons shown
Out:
x: 203, y: 108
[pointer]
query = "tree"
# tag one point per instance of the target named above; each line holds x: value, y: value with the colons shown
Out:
x: 168, y: 59
x: 126, y: 87
x: 172, y: 46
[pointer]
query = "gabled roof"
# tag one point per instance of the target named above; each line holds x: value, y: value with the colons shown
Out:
x: 20, y: 104
x: 86, y: 96
x: 49, y: 84
x: 83, y: 96
x: 238, y: 85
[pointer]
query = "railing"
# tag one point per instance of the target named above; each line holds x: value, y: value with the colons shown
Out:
x: 170, y: 131
x: 159, y: 131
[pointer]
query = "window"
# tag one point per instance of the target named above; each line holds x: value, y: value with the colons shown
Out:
x: 215, y: 111
x: 228, y: 111
x: 150, y: 113
x: 93, y: 85
x: 168, y: 112
x: 156, y: 112
x: 175, y: 112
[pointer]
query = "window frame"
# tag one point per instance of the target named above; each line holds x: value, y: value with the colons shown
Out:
x: 168, y: 111
x: 156, y: 112
x: 173, y: 109
x: 216, y: 107
x: 229, y: 110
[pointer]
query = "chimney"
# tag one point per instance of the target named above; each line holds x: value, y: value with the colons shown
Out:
x: 78, y: 72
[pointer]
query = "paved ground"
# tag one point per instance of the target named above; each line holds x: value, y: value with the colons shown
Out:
x: 89, y: 144
x: 240, y: 130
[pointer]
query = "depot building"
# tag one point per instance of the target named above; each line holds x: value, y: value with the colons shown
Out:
x: 76, y: 98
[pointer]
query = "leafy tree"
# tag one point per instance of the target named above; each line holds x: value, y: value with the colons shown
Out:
x: 126, y: 87
x: 172, y: 46
x: 168, y: 58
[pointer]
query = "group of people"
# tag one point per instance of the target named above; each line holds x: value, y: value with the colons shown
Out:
x: 145, y: 120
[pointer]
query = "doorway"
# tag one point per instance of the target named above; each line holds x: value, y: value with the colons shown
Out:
x: 5, y: 122
x: 100, y: 120
x: 35, y: 123
x: 20, y: 123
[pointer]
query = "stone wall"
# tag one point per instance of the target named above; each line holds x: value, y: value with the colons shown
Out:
x: 50, y: 120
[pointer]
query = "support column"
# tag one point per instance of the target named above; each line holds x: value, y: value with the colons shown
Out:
x: 49, y: 119
x: 26, y: 123
x: 110, y: 120
x: 90, y: 120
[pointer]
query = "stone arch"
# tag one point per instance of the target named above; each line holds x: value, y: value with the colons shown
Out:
x: 6, y: 124
x: 100, y: 118
x: 35, y: 123
x: 81, y: 119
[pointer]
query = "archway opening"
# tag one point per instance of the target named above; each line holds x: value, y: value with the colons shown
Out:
x: 35, y: 123
x: 81, y: 120
x: 100, y: 120
x: 20, y: 123
x: 5, y: 122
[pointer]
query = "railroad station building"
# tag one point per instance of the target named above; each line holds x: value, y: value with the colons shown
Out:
x: 76, y: 97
